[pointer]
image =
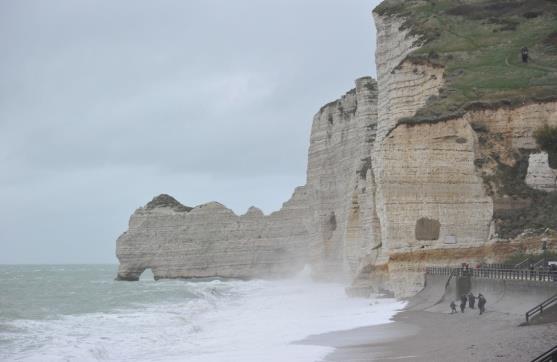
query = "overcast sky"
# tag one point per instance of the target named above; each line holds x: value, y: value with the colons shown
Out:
x: 105, y: 104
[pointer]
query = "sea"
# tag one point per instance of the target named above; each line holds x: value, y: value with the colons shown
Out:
x: 80, y: 313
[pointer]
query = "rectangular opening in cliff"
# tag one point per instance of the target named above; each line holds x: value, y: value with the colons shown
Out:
x: 427, y: 229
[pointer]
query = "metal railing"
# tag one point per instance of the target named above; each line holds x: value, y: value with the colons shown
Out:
x: 540, y: 307
x: 436, y: 270
x: 549, y: 356
x: 522, y: 263
x: 539, y: 263
x: 492, y: 273
x: 497, y: 266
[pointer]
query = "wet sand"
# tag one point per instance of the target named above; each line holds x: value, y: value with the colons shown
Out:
x: 418, y: 336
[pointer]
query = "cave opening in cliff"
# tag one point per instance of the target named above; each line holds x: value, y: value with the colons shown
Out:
x: 427, y: 229
x: 333, y: 221
x: 546, y: 138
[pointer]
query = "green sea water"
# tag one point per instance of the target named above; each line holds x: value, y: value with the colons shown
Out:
x: 51, y: 291
x: 80, y: 313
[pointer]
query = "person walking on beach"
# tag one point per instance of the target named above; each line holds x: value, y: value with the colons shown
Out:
x: 471, y: 300
x: 553, y: 272
x: 531, y: 268
x: 481, y: 303
x: 463, y: 303
x: 540, y: 272
x: 524, y: 52
x: 453, y: 307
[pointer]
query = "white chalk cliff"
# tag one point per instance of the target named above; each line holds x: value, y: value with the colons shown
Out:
x: 383, y: 199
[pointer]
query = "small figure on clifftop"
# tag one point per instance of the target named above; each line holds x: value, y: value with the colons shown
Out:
x: 463, y: 301
x: 471, y: 300
x: 453, y: 307
x: 524, y: 52
x: 481, y: 303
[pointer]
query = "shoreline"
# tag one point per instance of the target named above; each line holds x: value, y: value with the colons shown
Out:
x: 418, y: 335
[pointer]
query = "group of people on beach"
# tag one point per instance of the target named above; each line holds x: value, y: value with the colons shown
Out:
x: 471, y: 300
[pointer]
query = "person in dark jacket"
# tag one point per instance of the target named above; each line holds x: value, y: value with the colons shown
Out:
x: 531, y: 269
x: 453, y: 307
x: 481, y: 303
x: 524, y: 53
x: 471, y: 300
x: 463, y: 301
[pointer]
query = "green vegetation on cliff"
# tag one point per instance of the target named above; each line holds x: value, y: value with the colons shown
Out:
x: 532, y: 258
x: 479, y: 43
x: 164, y: 200
x: 527, y: 209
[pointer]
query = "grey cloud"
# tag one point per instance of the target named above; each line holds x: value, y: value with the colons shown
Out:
x: 105, y: 103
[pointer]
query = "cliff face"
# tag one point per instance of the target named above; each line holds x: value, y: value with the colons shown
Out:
x: 320, y: 225
x: 428, y: 193
x: 420, y: 168
x: 342, y: 137
x: 449, y: 181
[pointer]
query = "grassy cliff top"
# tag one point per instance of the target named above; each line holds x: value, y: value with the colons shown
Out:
x: 164, y: 200
x: 479, y: 43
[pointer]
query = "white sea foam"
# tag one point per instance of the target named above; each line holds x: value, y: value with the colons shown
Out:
x: 233, y: 321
